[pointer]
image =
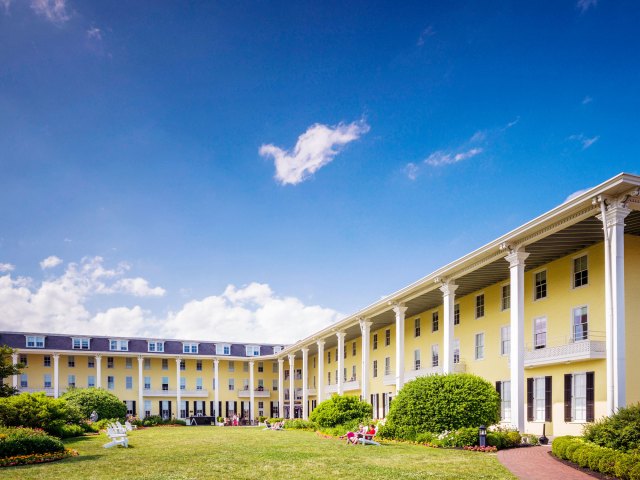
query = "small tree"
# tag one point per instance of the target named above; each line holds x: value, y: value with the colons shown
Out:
x: 8, y: 369
x: 339, y: 410
x: 98, y: 400
x: 36, y: 410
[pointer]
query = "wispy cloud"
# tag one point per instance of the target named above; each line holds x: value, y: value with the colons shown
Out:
x: 6, y: 4
x: 314, y: 149
x: 584, y: 5
x: 94, y: 33
x: 50, y: 262
x: 587, y: 100
x: 577, y: 194
x: 6, y: 267
x: 53, y: 10
x: 440, y: 158
x: 426, y: 33
x: 584, y: 140
x: 411, y: 170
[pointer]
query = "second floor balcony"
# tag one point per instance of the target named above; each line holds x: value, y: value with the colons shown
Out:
x: 257, y: 393
x: 567, y: 349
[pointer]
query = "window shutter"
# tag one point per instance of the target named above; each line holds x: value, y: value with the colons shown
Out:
x: 530, y: 399
x: 271, y: 409
x: 226, y: 404
x: 186, y: 408
x: 169, y: 408
x: 160, y: 408
x: 499, y: 388
x: 548, y: 400
x: 134, y: 408
x: 213, y: 413
x: 220, y: 408
x: 590, y: 396
x: 235, y: 408
x: 568, y: 378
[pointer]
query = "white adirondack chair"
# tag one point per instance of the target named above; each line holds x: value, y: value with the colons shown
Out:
x: 117, y: 437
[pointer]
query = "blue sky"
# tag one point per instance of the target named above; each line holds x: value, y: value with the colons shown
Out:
x: 233, y: 169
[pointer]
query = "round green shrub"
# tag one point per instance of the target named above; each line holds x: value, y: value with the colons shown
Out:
x: 634, y: 473
x: 98, y: 400
x: 438, y: 403
x: 16, y: 441
x: 582, y: 454
x: 607, y: 462
x: 36, y: 410
x: 624, y: 464
x: 559, y: 446
x: 620, y: 431
x: 496, y: 439
x: 571, y: 448
x: 340, y: 409
x: 465, y: 437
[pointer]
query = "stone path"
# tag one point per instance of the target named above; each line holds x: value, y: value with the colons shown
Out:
x: 533, y: 463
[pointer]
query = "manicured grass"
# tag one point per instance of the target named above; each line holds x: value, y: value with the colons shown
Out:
x: 240, y: 453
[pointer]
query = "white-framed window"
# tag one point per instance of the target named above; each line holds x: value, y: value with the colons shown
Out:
x: 23, y: 360
x: 183, y: 409
x: 155, y: 346
x: 147, y: 408
x: 35, y: 341
x: 116, y: 345
x: 274, y: 385
x: 111, y: 382
x: 375, y: 341
x: 539, y: 399
x: 24, y: 380
x: 110, y: 362
x: 147, y: 383
x: 480, y: 305
x: 416, y: 359
x: 183, y: 365
x: 198, y: 365
x: 505, y: 401
x: 580, y: 323
x: 435, y: 355
x: 416, y: 327
x: 580, y: 271
x: 261, y: 365
x: 91, y: 381
x: 506, y: 297
x: 456, y: 314
x: 505, y: 340
x: 540, y: 282
x: 71, y: 361
x: 456, y: 351
x: 165, y: 383
x: 354, y: 349
x: 278, y: 349
x: 183, y: 383
x: 329, y: 357
x: 223, y: 349
x: 71, y: 381
x: 274, y: 367
x: 231, y: 366
x: 387, y: 337
x: 128, y: 362
x: 128, y: 382
x: 46, y: 360
x: 91, y: 362
x: 253, y: 350
x: 479, y: 346
x: 165, y: 364
x: 47, y: 380
x: 146, y: 364
x: 387, y: 366
x: 328, y: 378
x: 189, y: 347
x: 232, y: 384
x: 435, y: 322
x: 80, y: 343
x: 375, y: 368
x: 540, y: 332
x: 579, y: 397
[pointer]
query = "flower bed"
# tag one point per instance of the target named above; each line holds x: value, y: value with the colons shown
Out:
x: 37, y: 458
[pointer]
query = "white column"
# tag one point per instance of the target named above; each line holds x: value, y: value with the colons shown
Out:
x: 320, y: 382
x: 399, y: 309
x: 448, y: 290
x: 340, y: 359
x: 614, y: 305
x: 252, y: 393
x: 140, y: 387
x: 99, y: 371
x: 178, y: 391
x: 516, y: 261
x: 281, y: 387
x: 365, y: 331
x: 56, y: 374
x: 14, y: 359
x: 305, y: 383
x: 292, y: 386
x: 216, y: 392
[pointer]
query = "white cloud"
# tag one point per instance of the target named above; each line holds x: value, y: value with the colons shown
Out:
x: 576, y: 194
x: 426, y: 33
x: 94, y: 33
x: 586, y: 100
x: 440, y: 158
x: 584, y: 140
x: 50, y: 262
x: 412, y: 170
x: 6, y: 267
x: 53, y: 10
x: 314, y: 149
x: 585, y: 5
x: 6, y: 4
x: 137, y: 287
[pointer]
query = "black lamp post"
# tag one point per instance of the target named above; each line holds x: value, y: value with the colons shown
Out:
x: 482, y: 432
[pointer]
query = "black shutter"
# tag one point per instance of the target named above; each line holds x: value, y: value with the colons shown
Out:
x: 567, y: 396
x: 529, y: 399
x: 548, y: 400
x: 134, y: 408
x: 169, y: 408
x: 235, y: 408
x: 186, y: 408
x: 213, y: 412
x: 499, y: 388
x: 590, y: 396
x: 226, y: 404
x: 219, y: 409
x: 160, y: 408
x: 384, y: 403
x: 271, y: 408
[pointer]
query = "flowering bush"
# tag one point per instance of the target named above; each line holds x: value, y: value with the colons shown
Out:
x: 476, y: 448
x: 37, y: 458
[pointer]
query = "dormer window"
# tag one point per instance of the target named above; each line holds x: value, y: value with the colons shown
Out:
x: 189, y: 347
x: 34, y: 341
x: 223, y: 349
x: 79, y: 343
x: 118, y: 345
x: 253, y: 350
x: 277, y: 349
x: 155, y: 346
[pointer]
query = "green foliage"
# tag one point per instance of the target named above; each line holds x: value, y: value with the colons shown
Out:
x: 270, y: 420
x: 439, y: 403
x: 67, y: 431
x: 299, y: 424
x: 620, y: 431
x: 25, y: 441
x: 339, y: 410
x: 36, y: 410
x: 7, y: 369
x: 529, y: 438
x: 155, y: 420
x: 98, y: 400
x: 502, y: 439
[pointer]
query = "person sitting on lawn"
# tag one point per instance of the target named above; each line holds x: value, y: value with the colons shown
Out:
x: 352, y: 437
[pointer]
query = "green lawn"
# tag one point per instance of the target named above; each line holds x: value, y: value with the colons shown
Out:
x: 240, y: 453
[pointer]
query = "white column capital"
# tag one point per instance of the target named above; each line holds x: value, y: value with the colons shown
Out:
x: 178, y: 360
x: 399, y: 308
x: 216, y: 361
x: 305, y: 351
x: 516, y: 258
x: 448, y: 288
x: 320, y: 343
x: 292, y: 358
x: 341, y: 335
x: 251, y: 363
x: 281, y: 361
x: 365, y: 325
x: 140, y: 358
x: 56, y: 355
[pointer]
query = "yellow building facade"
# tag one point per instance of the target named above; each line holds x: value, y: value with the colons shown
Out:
x: 548, y: 313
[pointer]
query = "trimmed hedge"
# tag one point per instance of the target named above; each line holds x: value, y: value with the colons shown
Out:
x: 442, y: 403
x: 27, y: 441
x: 600, y: 459
x: 340, y: 410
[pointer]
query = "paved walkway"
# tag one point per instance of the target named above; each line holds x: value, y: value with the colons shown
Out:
x: 533, y: 463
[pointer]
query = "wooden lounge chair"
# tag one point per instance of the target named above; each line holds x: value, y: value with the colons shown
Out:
x: 117, y: 437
